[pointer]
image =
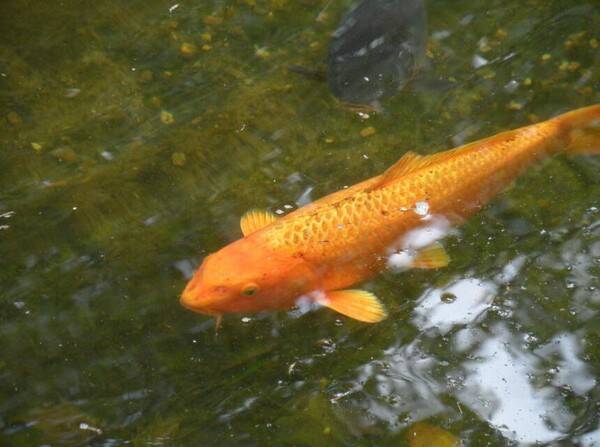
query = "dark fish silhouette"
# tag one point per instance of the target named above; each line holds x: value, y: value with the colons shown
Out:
x: 376, y: 49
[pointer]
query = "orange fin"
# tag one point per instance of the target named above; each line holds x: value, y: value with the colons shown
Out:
x: 254, y: 220
x: 358, y: 304
x: 408, y: 163
x: 422, y: 434
x: 433, y: 256
x: 411, y: 162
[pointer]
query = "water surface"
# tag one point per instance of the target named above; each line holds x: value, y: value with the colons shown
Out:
x: 135, y: 134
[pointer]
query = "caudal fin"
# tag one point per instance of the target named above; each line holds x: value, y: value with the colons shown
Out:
x: 583, y: 127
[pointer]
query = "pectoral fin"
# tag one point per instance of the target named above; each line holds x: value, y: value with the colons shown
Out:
x: 358, y: 304
x: 254, y: 220
x: 433, y: 256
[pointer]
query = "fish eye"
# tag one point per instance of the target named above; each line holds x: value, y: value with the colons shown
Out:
x: 250, y: 289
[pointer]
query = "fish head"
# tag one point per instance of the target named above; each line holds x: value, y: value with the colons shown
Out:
x: 246, y: 276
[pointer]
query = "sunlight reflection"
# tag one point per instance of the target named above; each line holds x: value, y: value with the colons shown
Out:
x: 403, y: 377
x: 519, y: 391
x: 472, y: 297
x: 498, y: 388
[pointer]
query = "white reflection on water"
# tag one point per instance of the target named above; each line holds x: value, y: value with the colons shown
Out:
x: 570, y: 371
x: 402, y: 252
x: 403, y: 376
x: 504, y: 376
x: 498, y: 388
x: 591, y: 439
x: 472, y: 298
x: 499, y: 385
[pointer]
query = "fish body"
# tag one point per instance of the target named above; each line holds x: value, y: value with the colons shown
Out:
x: 376, y: 49
x: 317, y: 252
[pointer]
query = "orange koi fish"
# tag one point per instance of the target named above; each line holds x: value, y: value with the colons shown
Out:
x: 319, y: 251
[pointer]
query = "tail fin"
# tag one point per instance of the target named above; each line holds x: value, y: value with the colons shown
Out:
x: 583, y: 127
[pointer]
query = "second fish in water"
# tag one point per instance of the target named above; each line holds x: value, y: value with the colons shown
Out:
x: 376, y: 49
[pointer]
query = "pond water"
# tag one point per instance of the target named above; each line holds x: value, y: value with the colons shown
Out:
x: 135, y: 134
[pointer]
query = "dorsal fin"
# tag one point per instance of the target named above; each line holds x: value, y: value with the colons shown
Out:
x: 254, y: 220
x: 411, y: 162
x: 408, y: 163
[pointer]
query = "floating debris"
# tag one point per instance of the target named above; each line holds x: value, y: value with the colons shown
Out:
x: 72, y: 92
x: 484, y: 45
x: 178, y: 159
x: 515, y: 105
x: 479, y: 61
x: 569, y: 66
x: 36, y: 147
x: 546, y: 57
x: 262, y: 52
x: 367, y: 132
x: 511, y: 86
x: 501, y: 34
x: 188, y: 49
x: 166, y: 117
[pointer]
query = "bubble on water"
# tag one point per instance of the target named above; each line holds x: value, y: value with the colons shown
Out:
x: 441, y: 35
x: 511, y: 86
x: 447, y: 297
x: 151, y: 220
x: 108, y: 156
x: 422, y: 208
x: 84, y: 426
x: 467, y: 19
x: 479, y: 61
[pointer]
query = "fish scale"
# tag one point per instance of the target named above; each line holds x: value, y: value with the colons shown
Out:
x: 355, y: 224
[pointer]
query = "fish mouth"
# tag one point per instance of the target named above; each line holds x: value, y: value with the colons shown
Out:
x: 190, y: 300
x: 191, y: 304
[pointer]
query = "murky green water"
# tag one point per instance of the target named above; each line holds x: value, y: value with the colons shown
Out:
x: 134, y: 134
